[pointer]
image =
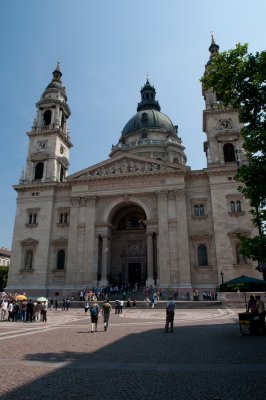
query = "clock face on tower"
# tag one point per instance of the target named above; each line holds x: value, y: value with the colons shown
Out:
x: 225, y: 124
x: 42, y: 145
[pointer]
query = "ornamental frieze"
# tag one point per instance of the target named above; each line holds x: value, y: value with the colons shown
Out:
x: 125, y: 167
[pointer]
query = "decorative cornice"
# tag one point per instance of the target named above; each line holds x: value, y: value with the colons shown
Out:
x: 46, y: 131
x: 29, y: 242
x: 37, y: 185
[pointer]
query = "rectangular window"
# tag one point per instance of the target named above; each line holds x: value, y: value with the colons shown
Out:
x: 199, y: 208
x: 63, y: 218
x: 32, y: 219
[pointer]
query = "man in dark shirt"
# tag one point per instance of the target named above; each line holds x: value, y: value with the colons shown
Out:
x: 30, y: 307
x: 170, y: 314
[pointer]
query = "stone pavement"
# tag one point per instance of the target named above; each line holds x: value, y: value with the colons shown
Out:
x: 205, y: 358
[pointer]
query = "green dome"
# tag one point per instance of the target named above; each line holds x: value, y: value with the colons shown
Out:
x: 150, y: 119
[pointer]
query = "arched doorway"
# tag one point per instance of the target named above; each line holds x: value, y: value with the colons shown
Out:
x: 128, y: 247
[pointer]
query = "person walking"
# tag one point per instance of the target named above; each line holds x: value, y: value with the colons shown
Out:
x: 94, y: 311
x: 252, y: 304
x: 106, y: 310
x: 30, y: 308
x: 86, y: 306
x: 4, y: 307
x: 10, y: 309
x: 152, y: 302
x: 68, y: 302
x: 170, y: 314
x: 121, y: 306
x: 260, y: 309
x: 37, y: 311
x: 44, y: 308
x: 117, y: 306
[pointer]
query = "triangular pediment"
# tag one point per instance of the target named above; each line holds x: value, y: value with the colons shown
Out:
x: 125, y: 165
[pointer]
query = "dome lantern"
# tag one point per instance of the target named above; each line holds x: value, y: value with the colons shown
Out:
x: 148, y: 101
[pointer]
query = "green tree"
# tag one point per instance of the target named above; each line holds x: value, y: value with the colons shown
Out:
x: 239, y: 80
x: 3, y: 276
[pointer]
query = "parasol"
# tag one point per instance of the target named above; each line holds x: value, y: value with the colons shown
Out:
x: 21, y: 297
x: 243, y: 284
x: 42, y: 299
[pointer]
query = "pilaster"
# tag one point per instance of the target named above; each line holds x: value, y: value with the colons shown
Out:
x: 72, y: 242
x: 105, y: 258
x: 89, y: 264
x: 182, y: 240
x: 150, y: 260
x: 163, y: 239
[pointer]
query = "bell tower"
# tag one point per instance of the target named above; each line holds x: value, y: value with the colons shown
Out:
x: 49, y: 141
x: 224, y: 143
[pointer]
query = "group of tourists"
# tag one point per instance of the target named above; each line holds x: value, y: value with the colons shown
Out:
x: 17, y: 308
x: 95, y: 311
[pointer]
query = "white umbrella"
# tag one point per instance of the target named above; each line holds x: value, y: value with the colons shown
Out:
x: 42, y: 299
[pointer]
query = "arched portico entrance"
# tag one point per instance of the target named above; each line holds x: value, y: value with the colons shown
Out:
x: 128, y: 255
x: 131, y: 257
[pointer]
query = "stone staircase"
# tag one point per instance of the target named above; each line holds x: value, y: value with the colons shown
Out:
x: 140, y: 304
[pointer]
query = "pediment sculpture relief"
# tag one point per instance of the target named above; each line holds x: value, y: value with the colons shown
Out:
x: 125, y: 167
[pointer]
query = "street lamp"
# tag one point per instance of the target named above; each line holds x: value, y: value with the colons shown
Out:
x: 222, y: 276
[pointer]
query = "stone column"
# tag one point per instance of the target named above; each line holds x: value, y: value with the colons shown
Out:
x: 150, y: 261
x: 70, y: 277
x: 221, y: 153
x: 90, y: 264
x: 105, y: 249
x: 163, y: 240
x: 182, y: 240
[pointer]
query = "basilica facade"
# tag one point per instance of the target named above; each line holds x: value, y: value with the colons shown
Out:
x: 140, y: 216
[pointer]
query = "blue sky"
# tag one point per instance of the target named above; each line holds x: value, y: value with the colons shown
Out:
x: 105, y: 49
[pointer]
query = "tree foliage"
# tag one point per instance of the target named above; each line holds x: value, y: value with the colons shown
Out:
x: 239, y: 80
x: 3, y: 276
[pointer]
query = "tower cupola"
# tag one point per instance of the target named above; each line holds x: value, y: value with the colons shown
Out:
x: 213, y: 49
x: 49, y: 139
x: 53, y: 110
x: 148, y: 101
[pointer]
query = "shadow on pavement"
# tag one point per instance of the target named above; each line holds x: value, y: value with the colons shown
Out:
x: 195, y: 362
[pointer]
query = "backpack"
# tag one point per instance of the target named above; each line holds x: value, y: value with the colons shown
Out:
x: 94, y: 311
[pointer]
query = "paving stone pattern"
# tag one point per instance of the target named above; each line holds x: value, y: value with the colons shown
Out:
x: 205, y: 358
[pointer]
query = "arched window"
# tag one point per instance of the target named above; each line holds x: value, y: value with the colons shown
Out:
x: 62, y: 120
x: 201, y: 210
x: 238, y: 206
x: 232, y: 206
x: 28, y: 259
x: 196, y: 211
x: 39, y: 171
x: 62, y: 174
x: 202, y: 255
x: 47, y: 116
x: 60, y: 264
x: 229, y: 152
